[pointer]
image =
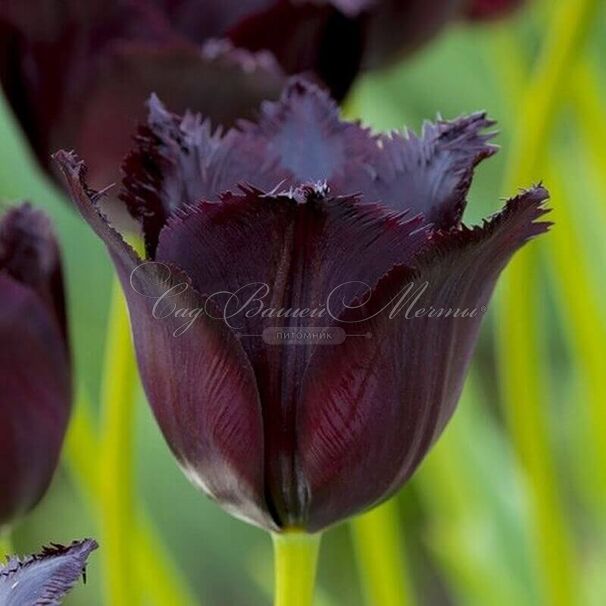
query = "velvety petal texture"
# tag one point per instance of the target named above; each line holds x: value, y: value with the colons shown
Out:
x: 310, y: 299
x: 44, y: 579
x: 35, y: 378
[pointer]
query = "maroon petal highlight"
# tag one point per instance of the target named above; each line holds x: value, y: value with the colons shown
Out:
x: 369, y: 415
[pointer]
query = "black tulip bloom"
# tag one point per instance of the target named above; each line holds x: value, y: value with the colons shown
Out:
x: 35, y: 383
x: 319, y: 214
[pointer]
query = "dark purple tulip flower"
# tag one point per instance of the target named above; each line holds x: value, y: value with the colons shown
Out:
x: 35, y: 382
x: 76, y: 73
x: 304, y: 227
x: 44, y: 578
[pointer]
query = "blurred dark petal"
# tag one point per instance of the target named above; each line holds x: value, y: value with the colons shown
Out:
x: 492, y: 9
x: 29, y: 253
x: 396, y: 28
x: 308, y: 37
x: 222, y: 82
x: 35, y: 377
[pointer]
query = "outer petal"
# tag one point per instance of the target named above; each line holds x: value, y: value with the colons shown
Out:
x: 285, y: 252
x: 45, y: 578
x: 198, y: 381
x: 369, y: 414
x: 35, y: 397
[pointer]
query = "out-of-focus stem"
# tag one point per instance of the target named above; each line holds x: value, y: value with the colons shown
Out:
x: 157, y: 574
x: 6, y: 545
x: 381, y: 559
x: 295, y: 563
x: 116, y: 457
x: 523, y: 384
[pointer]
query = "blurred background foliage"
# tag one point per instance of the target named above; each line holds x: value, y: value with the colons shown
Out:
x: 510, y: 506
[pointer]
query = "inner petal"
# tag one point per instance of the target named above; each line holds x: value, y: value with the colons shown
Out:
x: 288, y: 261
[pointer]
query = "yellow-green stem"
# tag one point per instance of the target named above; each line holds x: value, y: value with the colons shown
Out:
x: 157, y: 575
x: 6, y: 545
x: 523, y: 383
x: 116, y: 457
x: 381, y: 559
x: 295, y: 563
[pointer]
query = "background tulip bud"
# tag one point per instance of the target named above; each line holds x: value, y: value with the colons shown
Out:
x: 35, y: 382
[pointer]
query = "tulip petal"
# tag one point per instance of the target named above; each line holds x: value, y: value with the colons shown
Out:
x: 29, y: 253
x: 35, y: 396
x: 77, y: 75
x: 198, y: 380
x: 396, y: 29
x: 309, y: 36
x: 44, y: 578
x: 217, y: 80
x: 369, y: 414
x: 479, y: 10
x: 178, y: 161
x: 290, y: 250
x: 430, y: 173
x: 301, y: 139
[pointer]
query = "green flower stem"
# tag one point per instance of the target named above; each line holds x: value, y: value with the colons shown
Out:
x: 295, y: 562
x: 523, y: 382
x: 157, y: 574
x: 581, y: 308
x: 116, y: 457
x: 6, y: 545
x: 380, y: 555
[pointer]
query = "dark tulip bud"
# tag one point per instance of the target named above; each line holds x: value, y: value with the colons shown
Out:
x: 35, y: 382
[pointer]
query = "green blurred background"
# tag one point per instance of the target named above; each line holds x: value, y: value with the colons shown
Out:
x: 510, y: 506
